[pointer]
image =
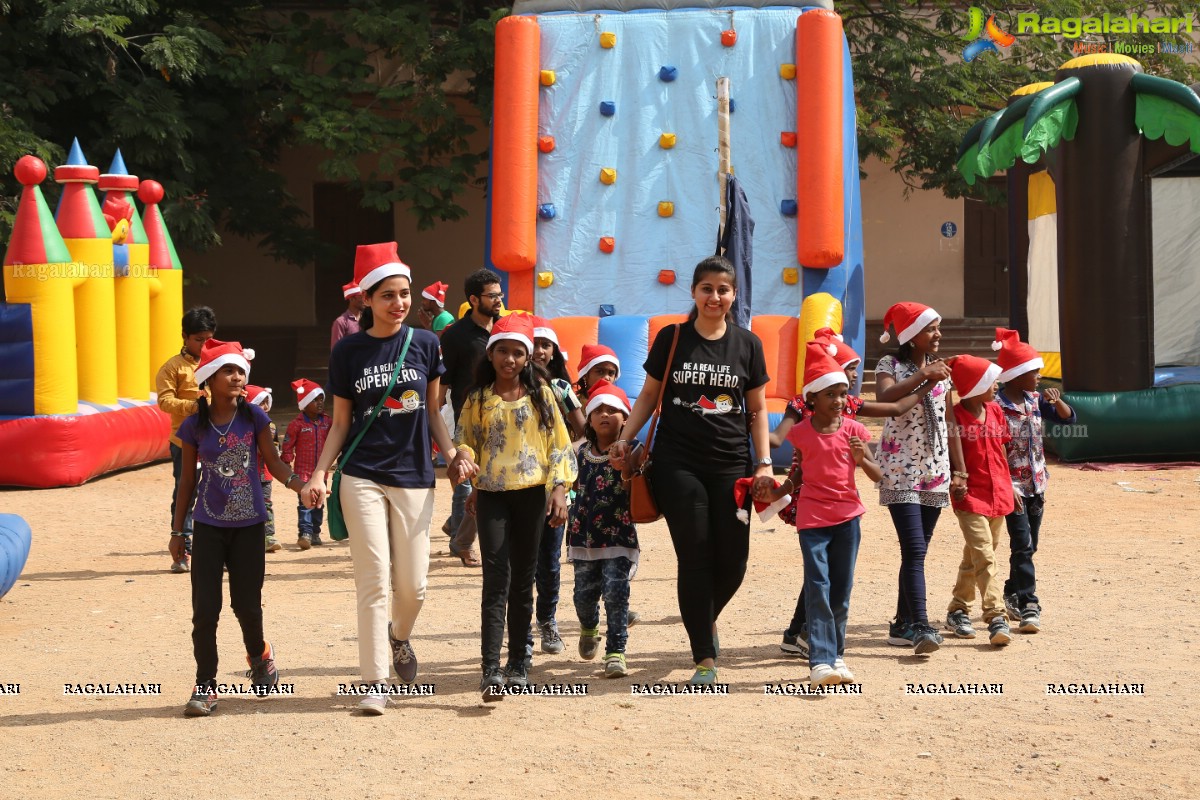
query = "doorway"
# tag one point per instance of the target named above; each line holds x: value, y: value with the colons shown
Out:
x: 341, y: 220
x: 985, y: 260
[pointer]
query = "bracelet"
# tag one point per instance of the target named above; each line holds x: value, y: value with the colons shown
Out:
x: 288, y: 482
x: 957, y: 474
x: 179, y: 533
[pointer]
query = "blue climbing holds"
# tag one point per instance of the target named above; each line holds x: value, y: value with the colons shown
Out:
x: 666, y: 74
x: 546, y: 211
x: 607, y: 108
x: 787, y: 207
x: 732, y: 106
x: 15, y: 539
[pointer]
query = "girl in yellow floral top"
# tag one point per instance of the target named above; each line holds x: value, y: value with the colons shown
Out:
x: 511, y: 425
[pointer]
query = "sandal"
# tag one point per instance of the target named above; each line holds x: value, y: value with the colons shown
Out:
x: 469, y: 558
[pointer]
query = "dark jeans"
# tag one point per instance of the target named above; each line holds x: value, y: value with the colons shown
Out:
x: 176, y: 471
x: 547, y: 578
x: 240, y: 550
x: 269, y: 525
x: 607, y: 578
x: 1023, y: 527
x: 308, y: 520
x: 799, y: 616
x: 914, y: 525
x: 829, y: 557
x: 711, y: 544
x: 510, y: 527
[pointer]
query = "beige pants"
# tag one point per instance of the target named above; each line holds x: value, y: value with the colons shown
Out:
x: 978, y: 567
x: 388, y: 527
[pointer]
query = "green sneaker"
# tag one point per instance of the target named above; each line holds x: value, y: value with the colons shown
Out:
x: 615, y: 666
x: 703, y: 676
x: 589, y: 643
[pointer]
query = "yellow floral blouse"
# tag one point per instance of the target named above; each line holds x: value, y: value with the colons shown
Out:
x: 512, y: 450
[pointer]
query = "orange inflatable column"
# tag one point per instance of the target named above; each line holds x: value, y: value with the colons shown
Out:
x: 514, y: 155
x: 819, y: 130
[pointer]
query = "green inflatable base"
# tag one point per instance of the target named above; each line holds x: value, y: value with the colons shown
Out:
x: 1160, y: 424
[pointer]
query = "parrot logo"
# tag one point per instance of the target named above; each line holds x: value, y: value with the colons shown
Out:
x: 984, y: 35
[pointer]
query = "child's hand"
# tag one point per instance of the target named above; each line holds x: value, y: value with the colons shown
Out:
x: 777, y: 492
x: 858, y: 450
x: 557, y: 507
x: 958, y: 487
x: 1053, y: 396
x: 313, y: 493
x: 937, y: 371
x: 469, y: 505
x: 763, y: 488
x: 1019, y: 500
x: 177, y: 548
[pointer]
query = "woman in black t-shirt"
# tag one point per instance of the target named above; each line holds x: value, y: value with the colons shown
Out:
x: 715, y: 383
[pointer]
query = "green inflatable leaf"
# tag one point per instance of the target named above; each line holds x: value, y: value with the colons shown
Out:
x: 1157, y: 117
x: 968, y: 165
x: 1057, y: 124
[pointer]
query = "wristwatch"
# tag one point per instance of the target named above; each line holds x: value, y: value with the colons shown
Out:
x: 765, y: 462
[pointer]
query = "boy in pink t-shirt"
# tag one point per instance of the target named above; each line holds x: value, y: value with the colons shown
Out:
x: 830, y: 446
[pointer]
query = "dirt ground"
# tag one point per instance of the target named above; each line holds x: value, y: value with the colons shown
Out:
x: 96, y: 603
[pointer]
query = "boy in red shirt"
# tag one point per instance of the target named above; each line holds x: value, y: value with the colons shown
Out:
x: 301, y: 448
x: 984, y: 502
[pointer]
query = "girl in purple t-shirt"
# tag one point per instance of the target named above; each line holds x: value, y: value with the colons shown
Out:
x: 227, y: 436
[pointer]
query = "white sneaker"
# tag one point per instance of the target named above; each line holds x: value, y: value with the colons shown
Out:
x: 843, y: 671
x: 824, y: 675
x: 374, y: 704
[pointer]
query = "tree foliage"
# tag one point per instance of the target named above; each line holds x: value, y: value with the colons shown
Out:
x: 207, y: 96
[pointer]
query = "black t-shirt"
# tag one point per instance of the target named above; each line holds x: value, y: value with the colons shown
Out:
x: 395, y: 451
x: 463, y: 346
x: 703, y: 418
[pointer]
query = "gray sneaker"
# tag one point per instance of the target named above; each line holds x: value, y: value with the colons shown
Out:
x: 589, y: 643
x: 492, y: 684
x: 615, y: 666
x: 998, y: 631
x: 516, y: 675
x: 304, y: 541
x: 374, y: 703
x: 958, y: 623
x: 1031, y: 618
x: 317, y: 541
x: 1012, y: 607
x: 632, y: 618
x: 551, y: 641
x: 403, y: 658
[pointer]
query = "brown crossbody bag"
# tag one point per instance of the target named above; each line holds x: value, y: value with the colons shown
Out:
x: 642, y: 508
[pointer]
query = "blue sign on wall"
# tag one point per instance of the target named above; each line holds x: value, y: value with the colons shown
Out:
x: 949, y: 229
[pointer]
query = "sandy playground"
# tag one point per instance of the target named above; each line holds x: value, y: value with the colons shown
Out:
x: 96, y: 604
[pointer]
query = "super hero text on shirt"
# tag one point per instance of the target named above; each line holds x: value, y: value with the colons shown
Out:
x: 716, y: 375
x: 380, y: 375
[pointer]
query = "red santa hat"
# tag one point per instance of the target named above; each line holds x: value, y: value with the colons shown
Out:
x: 608, y: 394
x: 972, y: 375
x: 258, y: 396
x: 436, y: 292
x: 1014, y: 356
x: 845, y: 353
x: 821, y: 370
x: 350, y: 289
x: 908, y: 319
x: 216, y: 354
x: 517, y: 327
x: 542, y: 330
x: 594, y: 354
x: 741, y: 490
x: 374, y: 262
x: 306, y: 392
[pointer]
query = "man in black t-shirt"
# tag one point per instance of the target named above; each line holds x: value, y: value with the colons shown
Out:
x: 463, y: 346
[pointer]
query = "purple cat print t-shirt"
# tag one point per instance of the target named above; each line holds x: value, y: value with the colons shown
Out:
x: 228, y: 491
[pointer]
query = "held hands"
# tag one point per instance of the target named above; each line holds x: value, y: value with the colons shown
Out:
x: 313, y: 493
x: 958, y: 487
x: 621, y: 457
x: 936, y: 371
x: 557, y: 506
x: 462, y: 468
x: 1018, y: 499
x: 764, y: 484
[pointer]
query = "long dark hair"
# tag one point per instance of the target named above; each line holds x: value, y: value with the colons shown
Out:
x: 532, y: 377
x: 713, y: 265
x: 557, y: 366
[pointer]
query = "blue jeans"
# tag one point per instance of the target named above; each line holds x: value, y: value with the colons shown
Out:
x: 829, y: 556
x: 176, y: 472
x: 546, y: 578
x: 1023, y: 527
x: 914, y: 528
x: 308, y: 520
x: 458, y: 506
x: 607, y: 578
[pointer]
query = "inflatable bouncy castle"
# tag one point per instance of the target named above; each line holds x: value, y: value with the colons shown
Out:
x: 1104, y: 257
x: 94, y: 296
x: 630, y: 136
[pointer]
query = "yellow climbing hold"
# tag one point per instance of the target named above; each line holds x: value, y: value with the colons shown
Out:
x: 548, y: 77
x: 545, y: 279
x: 791, y: 276
x: 608, y: 40
x: 608, y: 176
x: 666, y: 208
x: 787, y: 71
x: 666, y: 141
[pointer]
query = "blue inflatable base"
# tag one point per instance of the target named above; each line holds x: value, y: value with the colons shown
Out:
x: 15, y: 539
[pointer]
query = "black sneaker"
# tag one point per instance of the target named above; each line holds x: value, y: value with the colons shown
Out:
x: 404, y: 659
x: 795, y: 645
x: 1031, y: 618
x: 492, y: 684
x: 317, y: 541
x: 203, y: 701
x: 632, y: 618
x: 516, y: 676
x: 998, y: 631
x: 551, y: 641
x: 900, y: 634
x: 958, y: 623
x: 589, y: 643
x: 263, y: 675
x: 925, y: 639
x: 1012, y: 607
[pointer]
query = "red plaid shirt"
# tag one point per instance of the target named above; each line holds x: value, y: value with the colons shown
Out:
x: 303, y: 443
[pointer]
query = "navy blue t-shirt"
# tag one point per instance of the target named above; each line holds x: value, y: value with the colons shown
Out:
x: 396, y: 449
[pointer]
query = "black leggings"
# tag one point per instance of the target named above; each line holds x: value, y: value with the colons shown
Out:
x: 510, y: 527
x: 914, y: 528
x: 711, y: 544
x: 240, y: 550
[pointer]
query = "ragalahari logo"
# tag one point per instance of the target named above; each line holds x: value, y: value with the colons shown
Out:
x: 984, y: 35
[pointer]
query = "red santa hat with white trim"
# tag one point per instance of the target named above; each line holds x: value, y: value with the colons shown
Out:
x: 375, y: 262
x: 1014, y: 356
x: 306, y: 392
x: 908, y: 319
x: 821, y: 370
x: 258, y: 396
x: 595, y: 354
x: 350, y: 289
x: 741, y: 490
x: 514, y: 327
x: 608, y: 394
x: 972, y: 375
x: 216, y: 354
x: 436, y: 292
x: 845, y: 353
x: 542, y: 330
